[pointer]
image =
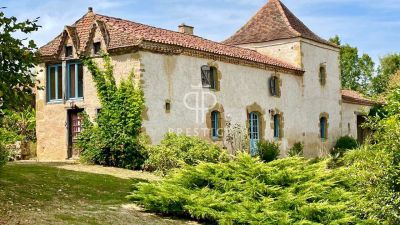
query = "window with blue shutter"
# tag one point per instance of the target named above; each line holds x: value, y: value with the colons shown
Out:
x: 276, y: 126
x: 215, y: 120
x: 75, y: 80
x: 323, y: 128
x: 54, y: 83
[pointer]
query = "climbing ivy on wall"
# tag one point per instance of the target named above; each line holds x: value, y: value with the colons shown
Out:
x: 113, y: 139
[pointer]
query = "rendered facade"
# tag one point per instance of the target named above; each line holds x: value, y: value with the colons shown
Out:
x: 274, y: 77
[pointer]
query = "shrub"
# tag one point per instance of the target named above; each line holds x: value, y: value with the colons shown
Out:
x: 3, y: 155
x: 178, y: 150
x: 285, y: 191
x: 268, y: 151
x: 237, y: 136
x: 343, y: 144
x: 113, y: 140
x: 296, y: 150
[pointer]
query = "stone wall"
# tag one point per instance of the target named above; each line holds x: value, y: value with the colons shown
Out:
x: 51, y: 118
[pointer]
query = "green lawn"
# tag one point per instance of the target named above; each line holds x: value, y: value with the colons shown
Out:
x: 44, y: 194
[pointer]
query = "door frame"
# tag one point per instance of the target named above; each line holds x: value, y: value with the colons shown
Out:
x: 70, y: 143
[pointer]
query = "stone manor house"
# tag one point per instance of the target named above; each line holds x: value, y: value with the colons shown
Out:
x: 274, y: 77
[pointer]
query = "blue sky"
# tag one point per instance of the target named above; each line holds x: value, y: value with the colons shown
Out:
x: 373, y: 26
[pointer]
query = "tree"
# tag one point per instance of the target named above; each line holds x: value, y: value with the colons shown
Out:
x: 389, y: 65
x: 18, y: 58
x: 355, y: 72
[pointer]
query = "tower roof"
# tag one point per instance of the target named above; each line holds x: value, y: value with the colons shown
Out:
x: 273, y: 22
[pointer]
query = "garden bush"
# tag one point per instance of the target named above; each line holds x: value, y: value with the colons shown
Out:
x: 296, y: 150
x: 268, y: 151
x: 362, y: 188
x: 178, y: 150
x: 286, y: 191
x: 344, y: 144
x: 113, y: 139
x: 19, y: 126
x: 3, y: 155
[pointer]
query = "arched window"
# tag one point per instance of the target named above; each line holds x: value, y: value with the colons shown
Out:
x: 277, y: 128
x: 209, y: 77
x: 322, y: 74
x: 323, y: 125
x: 215, y: 124
x: 274, y: 86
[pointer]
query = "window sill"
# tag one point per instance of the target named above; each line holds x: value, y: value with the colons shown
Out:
x: 54, y: 102
x: 215, y: 139
x: 211, y: 89
x: 75, y: 99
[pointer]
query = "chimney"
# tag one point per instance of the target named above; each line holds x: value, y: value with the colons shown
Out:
x: 183, y: 28
x: 90, y: 9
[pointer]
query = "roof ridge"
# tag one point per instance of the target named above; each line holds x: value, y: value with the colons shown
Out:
x: 126, y: 33
x: 283, y: 12
x: 177, y: 32
x: 117, y: 18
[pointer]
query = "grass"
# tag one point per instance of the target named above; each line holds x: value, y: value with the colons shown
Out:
x: 45, y: 194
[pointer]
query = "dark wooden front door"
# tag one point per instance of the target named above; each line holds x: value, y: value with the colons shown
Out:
x: 74, y: 128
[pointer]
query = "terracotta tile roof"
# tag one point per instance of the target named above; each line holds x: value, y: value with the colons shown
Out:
x: 354, y: 97
x: 52, y: 47
x: 273, y: 22
x: 123, y: 33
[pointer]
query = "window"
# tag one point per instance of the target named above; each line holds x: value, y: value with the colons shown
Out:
x: 323, y: 127
x: 215, y: 125
x: 75, y: 80
x: 54, y: 82
x: 254, y: 132
x: 167, y: 106
x: 277, y: 126
x: 96, y: 48
x: 209, y: 77
x: 274, y: 86
x: 322, y: 74
x: 68, y: 51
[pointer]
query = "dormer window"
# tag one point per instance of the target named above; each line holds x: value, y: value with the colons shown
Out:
x: 68, y: 51
x: 96, y: 48
x: 209, y: 77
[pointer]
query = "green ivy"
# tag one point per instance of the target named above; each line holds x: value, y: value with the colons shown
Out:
x: 113, y: 139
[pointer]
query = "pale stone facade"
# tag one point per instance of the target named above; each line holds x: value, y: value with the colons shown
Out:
x: 176, y: 79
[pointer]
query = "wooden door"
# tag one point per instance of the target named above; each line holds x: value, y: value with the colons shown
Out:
x: 74, y: 128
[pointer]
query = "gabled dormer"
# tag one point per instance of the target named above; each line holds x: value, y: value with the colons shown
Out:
x: 87, y: 36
